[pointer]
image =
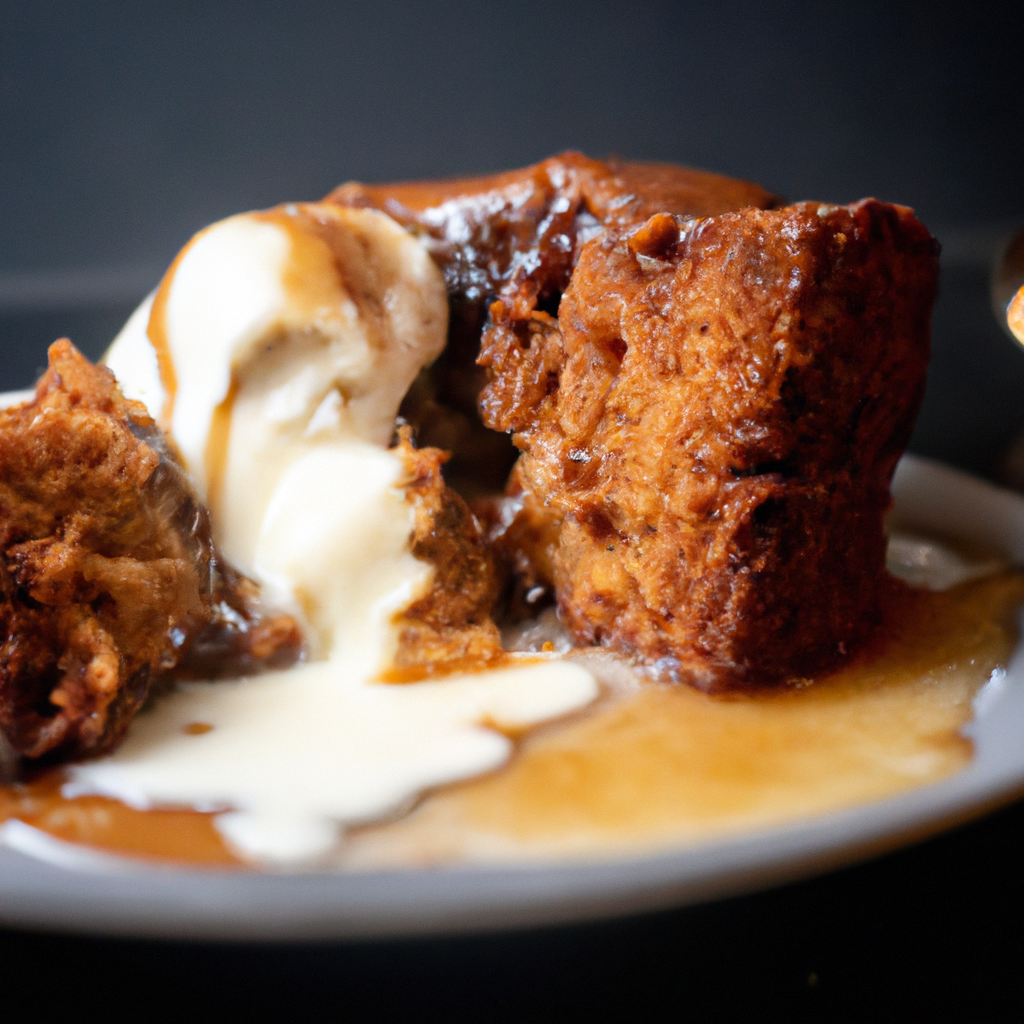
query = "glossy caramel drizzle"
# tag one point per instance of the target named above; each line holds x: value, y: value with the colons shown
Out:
x: 184, y: 836
x: 156, y: 329
x: 311, y: 230
x: 216, y: 454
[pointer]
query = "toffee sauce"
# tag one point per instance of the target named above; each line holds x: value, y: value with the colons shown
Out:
x: 653, y: 766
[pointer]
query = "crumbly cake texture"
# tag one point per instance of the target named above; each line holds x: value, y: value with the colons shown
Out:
x: 449, y: 627
x: 108, y: 577
x: 722, y: 435
x: 710, y: 393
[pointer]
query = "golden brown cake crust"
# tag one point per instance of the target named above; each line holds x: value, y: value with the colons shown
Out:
x: 519, y: 233
x: 715, y: 420
x: 107, y: 573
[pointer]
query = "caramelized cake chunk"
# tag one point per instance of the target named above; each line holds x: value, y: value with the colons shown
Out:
x: 108, y: 575
x: 518, y: 236
x: 450, y: 627
x: 710, y: 392
x: 714, y: 422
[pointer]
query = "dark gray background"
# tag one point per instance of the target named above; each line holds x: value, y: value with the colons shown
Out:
x: 124, y: 128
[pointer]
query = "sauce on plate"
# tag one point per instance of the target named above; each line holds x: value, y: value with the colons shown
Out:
x: 653, y: 766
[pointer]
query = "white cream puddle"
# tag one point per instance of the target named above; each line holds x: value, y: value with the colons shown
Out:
x: 296, y: 753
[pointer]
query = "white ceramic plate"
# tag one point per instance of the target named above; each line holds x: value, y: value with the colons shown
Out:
x: 46, y: 883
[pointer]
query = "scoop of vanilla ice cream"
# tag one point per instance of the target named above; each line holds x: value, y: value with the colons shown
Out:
x: 345, y: 297
x: 276, y: 352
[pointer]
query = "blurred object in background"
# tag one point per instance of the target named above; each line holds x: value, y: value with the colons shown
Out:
x: 1007, y: 281
x: 972, y: 409
x: 1007, y: 278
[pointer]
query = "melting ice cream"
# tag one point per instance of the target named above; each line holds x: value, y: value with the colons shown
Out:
x: 276, y: 353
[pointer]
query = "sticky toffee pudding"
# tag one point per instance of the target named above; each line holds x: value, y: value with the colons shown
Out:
x: 348, y: 446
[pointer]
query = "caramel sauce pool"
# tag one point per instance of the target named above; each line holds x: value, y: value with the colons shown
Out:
x: 652, y: 766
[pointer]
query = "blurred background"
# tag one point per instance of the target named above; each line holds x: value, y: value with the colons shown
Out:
x: 124, y: 128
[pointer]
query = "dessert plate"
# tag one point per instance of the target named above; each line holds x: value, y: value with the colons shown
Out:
x: 47, y: 883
